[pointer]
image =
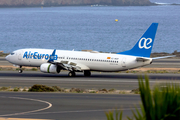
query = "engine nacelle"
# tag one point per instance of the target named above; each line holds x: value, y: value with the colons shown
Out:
x: 49, y: 68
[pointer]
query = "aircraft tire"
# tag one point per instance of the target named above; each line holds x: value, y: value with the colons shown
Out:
x: 20, y: 71
x: 87, y: 73
x: 72, y: 74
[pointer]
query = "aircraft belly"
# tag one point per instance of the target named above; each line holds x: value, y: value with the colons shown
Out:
x: 32, y: 62
x: 104, y: 67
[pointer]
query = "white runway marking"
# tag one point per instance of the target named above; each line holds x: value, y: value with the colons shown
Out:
x: 49, y: 106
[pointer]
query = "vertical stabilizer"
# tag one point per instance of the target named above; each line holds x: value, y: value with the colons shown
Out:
x: 144, y: 46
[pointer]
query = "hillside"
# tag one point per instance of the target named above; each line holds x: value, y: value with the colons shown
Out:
x: 36, y: 3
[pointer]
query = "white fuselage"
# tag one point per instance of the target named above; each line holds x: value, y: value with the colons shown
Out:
x: 87, y: 60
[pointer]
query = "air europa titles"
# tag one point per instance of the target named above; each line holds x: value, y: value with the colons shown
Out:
x: 36, y: 55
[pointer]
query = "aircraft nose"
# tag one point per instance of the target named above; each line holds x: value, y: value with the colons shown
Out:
x: 7, y: 58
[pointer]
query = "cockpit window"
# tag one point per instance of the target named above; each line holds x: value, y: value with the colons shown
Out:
x: 12, y: 53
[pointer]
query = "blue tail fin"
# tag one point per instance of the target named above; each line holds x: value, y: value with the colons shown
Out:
x: 144, y: 46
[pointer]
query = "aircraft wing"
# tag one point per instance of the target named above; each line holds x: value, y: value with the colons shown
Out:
x: 67, y: 65
x: 71, y: 66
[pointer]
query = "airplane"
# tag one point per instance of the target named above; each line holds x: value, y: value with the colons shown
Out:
x: 53, y: 61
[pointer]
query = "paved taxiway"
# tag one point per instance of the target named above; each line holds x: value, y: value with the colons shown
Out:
x: 64, y: 106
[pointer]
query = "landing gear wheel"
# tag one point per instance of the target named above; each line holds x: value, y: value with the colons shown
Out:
x: 87, y: 73
x: 72, y: 74
x: 20, y: 71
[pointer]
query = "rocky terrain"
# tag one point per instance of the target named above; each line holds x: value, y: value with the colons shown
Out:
x: 46, y: 3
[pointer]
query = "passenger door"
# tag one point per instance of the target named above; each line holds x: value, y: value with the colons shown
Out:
x: 123, y: 62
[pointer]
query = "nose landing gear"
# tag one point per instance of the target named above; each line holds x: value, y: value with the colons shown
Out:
x: 20, y: 69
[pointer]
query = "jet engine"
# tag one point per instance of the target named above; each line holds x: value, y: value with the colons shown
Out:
x: 49, y: 68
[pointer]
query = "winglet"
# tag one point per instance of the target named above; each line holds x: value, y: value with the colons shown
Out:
x: 144, y: 46
x: 52, y: 57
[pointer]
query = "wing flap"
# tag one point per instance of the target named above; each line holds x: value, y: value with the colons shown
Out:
x: 71, y: 66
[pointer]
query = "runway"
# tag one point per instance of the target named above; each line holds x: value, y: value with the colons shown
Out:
x: 98, y: 80
x: 119, y: 81
x: 64, y: 106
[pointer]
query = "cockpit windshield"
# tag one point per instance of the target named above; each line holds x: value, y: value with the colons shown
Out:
x: 12, y: 53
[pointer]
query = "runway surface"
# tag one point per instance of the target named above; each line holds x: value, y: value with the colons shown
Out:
x: 120, y: 81
x: 64, y: 106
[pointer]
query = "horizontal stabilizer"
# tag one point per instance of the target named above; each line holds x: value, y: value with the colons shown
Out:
x: 163, y: 57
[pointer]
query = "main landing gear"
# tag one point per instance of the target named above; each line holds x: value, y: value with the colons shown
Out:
x: 87, y: 73
x: 72, y: 74
x: 20, y: 69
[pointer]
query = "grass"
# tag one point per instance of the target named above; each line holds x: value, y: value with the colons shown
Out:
x: 103, y: 90
x: 57, y: 89
x: 111, y: 90
x: 34, y: 69
x: 122, y: 92
x: 19, y: 68
x: 41, y: 88
x: 4, y: 88
x: 156, y: 71
x: 16, y: 89
x: 162, y: 103
x: 92, y: 92
x: 77, y: 90
x: 44, y: 88
x: 136, y: 91
x: 110, y: 115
